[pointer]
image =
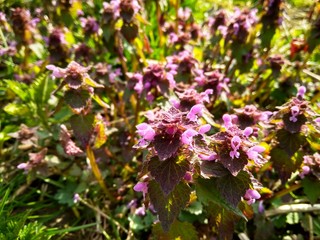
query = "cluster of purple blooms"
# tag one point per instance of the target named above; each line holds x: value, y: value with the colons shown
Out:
x: 235, y: 26
x: 183, y: 129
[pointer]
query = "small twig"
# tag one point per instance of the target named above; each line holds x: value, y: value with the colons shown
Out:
x: 311, y: 74
x: 310, y: 227
x: 302, y: 207
x: 286, y: 191
x: 97, y: 210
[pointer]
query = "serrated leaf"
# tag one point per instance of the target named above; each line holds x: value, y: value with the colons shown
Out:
x: 166, y: 145
x: 77, y: 99
x: 212, y: 169
x: 208, y: 193
x: 282, y: 163
x: 290, y: 142
x: 234, y: 165
x: 178, y: 230
x: 82, y: 127
x: 293, y: 127
x: 233, y: 188
x: 168, y: 206
x: 41, y: 89
x: 311, y: 188
x: 168, y: 173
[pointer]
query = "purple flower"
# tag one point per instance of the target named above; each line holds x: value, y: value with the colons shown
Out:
x: 211, y: 157
x: 301, y: 91
x: 146, y: 131
x: 187, y: 136
x: 305, y: 170
x: 247, y: 131
x: 76, y: 198
x: 294, y: 112
x: 141, y: 211
x: 195, y: 111
x: 227, y: 120
x: 141, y: 187
x: 89, y: 25
x: 204, y: 128
x: 235, y: 144
x: 74, y: 75
x: 253, y: 153
x: 251, y: 196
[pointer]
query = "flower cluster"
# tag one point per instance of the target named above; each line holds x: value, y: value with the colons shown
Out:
x: 239, y: 25
x: 154, y: 82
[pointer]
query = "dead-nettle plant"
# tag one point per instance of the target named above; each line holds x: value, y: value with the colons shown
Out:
x: 294, y: 128
x: 186, y: 159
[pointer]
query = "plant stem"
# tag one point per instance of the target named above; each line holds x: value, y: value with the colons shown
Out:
x: 97, y: 173
x: 97, y: 210
x: 284, y: 209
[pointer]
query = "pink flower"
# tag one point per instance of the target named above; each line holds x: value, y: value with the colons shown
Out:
x: 194, y: 111
x: 251, y: 196
x: 301, y: 91
x: 294, y: 112
x: 146, y: 131
x: 141, y: 187
x: 304, y: 171
x: 253, y: 153
x: 187, y: 136
x: 227, y: 120
x: 247, y: 131
x: 235, y: 144
x: 204, y: 128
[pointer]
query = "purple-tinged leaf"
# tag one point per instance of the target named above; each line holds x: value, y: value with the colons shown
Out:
x: 233, y: 188
x: 166, y: 145
x: 168, y: 173
x: 82, y: 127
x: 234, y: 165
x: 129, y: 31
x: 293, y: 127
x: 169, y: 206
x: 212, y: 169
x: 77, y: 99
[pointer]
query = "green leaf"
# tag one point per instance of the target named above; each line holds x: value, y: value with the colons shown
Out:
x: 38, y: 49
x: 65, y: 195
x: 42, y: 88
x: 20, y: 89
x: 224, y: 220
x: 169, y: 206
x: 16, y: 109
x: 82, y: 127
x: 290, y: 142
x: 233, y: 188
x: 208, y: 193
x: 77, y: 99
x: 178, y: 230
x: 168, y: 173
x: 311, y: 188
